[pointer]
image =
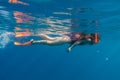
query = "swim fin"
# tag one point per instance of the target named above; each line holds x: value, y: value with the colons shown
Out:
x: 23, y: 34
x: 23, y: 44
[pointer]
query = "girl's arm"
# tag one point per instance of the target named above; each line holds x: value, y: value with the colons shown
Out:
x: 73, y: 45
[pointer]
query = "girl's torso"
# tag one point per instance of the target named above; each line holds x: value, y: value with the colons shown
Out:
x: 73, y: 36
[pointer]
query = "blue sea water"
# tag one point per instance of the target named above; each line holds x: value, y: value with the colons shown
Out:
x: 42, y: 62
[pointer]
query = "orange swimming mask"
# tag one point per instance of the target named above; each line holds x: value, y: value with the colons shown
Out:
x: 96, y: 38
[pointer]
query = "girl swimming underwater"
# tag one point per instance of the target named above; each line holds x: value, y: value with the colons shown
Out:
x: 73, y: 38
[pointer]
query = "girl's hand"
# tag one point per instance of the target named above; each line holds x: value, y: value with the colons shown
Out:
x: 69, y: 49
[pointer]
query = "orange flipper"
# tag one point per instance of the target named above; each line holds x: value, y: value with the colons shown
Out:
x: 23, y: 34
x: 23, y: 44
x: 17, y: 43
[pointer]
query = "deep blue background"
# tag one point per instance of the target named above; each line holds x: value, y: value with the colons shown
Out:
x: 41, y: 62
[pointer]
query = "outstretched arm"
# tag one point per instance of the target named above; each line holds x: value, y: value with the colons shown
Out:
x: 73, y: 45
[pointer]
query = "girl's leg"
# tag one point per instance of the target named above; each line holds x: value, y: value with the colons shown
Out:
x: 46, y: 37
x: 52, y: 41
x: 47, y: 42
x: 56, y: 41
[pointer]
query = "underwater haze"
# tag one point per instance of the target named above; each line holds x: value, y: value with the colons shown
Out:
x: 42, y: 62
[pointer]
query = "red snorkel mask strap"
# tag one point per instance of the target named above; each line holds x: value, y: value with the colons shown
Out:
x: 96, y: 38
